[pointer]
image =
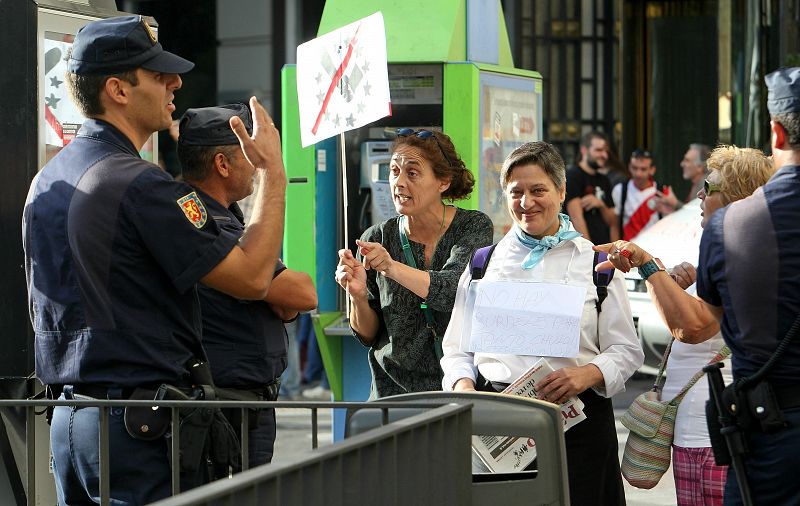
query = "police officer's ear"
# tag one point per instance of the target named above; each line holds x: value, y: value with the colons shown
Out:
x: 117, y: 90
x: 222, y: 164
x: 778, y: 135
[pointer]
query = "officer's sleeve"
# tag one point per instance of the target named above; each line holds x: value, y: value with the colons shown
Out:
x: 174, y: 224
x: 711, y: 263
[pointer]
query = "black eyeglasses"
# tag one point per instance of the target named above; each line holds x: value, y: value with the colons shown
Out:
x: 641, y: 153
x: 710, y: 187
x: 424, y: 134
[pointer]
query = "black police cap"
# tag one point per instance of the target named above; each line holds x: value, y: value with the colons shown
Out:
x: 123, y: 43
x: 784, y: 91
x: 210, y: 126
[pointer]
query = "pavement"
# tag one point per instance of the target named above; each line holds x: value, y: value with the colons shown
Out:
x: 294, y: 435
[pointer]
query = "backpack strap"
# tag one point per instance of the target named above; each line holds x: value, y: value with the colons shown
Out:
x: 601, y: 279
x: 480, y: 260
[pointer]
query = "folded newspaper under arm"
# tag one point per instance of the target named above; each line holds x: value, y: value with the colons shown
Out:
x: 506, y: 454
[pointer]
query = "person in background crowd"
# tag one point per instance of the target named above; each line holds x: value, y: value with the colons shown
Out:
x: 693, y: 167
x: 401, y: 302
x: 588, y: 202
x: 634, y: 198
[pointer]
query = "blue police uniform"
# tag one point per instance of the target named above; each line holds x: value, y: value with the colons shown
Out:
x: 245, y: 341
x: 114, y: 247
x: 113, y: 250
x: 750, y: 266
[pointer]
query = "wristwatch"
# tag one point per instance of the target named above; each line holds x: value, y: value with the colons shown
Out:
x: 649, y: 268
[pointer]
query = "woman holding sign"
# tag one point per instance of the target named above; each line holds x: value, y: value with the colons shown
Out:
x: 403, y: 284
x: 491, y: 341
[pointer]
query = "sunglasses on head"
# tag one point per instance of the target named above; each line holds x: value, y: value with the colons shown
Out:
x: 709, y: 187
x: 641, y: 153
x: 423, y: 134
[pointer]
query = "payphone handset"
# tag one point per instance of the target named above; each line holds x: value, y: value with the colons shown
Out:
x: 375, y: 157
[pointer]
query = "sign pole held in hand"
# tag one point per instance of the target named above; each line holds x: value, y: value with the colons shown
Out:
x: 343, y: 84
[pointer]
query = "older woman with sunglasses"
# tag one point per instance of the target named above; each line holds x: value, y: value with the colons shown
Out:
x: 403, y: 283
x: 541, y: 258
x: 735, y: 174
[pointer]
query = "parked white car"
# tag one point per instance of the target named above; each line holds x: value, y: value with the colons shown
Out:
x: 674, y: 239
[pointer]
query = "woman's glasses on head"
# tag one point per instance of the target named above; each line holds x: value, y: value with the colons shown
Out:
x: 423, y: 134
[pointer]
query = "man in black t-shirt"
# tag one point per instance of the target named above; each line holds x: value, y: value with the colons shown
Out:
x: 588, y: 202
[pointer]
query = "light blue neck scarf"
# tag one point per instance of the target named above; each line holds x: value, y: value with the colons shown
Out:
x: 540, y: 246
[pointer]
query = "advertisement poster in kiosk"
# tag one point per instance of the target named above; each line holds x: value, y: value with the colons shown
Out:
x: 510, y: 116
x: 62, y: 119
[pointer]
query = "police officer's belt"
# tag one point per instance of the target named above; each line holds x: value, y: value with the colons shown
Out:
x: 103, y: 392
x: 788, y: 396
x: 268, y: 392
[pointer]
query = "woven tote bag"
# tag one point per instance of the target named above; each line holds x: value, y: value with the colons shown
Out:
x: 651, y: 422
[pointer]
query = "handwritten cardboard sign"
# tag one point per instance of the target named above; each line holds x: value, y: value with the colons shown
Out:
x: 524, y: 318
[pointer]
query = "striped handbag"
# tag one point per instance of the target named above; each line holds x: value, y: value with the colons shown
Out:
x: 652, y: 425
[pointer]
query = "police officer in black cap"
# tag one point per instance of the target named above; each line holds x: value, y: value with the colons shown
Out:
x: 755, y: 242
x: 114, y: 248
x: 245, y: 340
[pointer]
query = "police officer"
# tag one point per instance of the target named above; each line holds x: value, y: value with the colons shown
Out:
x: 245, y: 340
x: 755, y: 242
x: 114, y: 248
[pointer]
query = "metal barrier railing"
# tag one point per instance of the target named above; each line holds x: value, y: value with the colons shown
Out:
x: 395, y: 464
x: 104, y: 406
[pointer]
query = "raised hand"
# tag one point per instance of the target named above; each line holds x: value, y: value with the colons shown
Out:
x: 375, y: 257
x: 263, y: 149
x: 622, y: 255
x: 351, y: 275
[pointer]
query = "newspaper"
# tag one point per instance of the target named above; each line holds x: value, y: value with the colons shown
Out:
x: 506, y: 454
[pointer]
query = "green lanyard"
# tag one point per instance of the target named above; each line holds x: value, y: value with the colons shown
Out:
x: 437, y: 340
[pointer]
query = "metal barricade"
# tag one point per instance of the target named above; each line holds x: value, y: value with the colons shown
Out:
x: 404, y: 462
x: 497, y: 414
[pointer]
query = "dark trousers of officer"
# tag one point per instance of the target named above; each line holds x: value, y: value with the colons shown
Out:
x: 771, y: 466
x: 139, y: 470
x: 261, y: 439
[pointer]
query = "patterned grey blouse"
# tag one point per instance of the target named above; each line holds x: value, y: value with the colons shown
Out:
x: 402, y: 357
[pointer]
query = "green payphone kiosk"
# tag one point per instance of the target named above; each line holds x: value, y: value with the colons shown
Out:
x: 450, y: 68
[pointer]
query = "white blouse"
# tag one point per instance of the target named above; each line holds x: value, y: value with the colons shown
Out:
x: 616, y: 351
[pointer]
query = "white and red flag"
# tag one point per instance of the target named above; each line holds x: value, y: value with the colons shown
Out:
x: 342, y: 80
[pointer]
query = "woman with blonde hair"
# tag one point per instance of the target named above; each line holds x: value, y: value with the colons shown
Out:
x: 735, y: 173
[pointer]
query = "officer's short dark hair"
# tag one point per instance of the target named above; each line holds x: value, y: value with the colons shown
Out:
x: 790, y: 121
x: 86, y: 88
x: 197, y: 161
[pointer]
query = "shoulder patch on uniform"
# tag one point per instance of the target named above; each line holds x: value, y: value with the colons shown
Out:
x: 194, y: 209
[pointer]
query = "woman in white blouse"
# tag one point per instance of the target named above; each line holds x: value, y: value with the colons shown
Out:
x: 542, y: 246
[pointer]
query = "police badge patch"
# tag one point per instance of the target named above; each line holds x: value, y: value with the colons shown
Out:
x: 193, y: 208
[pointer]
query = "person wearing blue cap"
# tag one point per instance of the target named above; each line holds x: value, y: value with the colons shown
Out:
x: 246, y: 341
x: 750, y: 279
x: 114, y: 248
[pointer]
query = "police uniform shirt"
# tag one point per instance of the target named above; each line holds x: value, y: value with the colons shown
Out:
x: 245, y: 340
x: 750, y: 266
x: 113, y: 249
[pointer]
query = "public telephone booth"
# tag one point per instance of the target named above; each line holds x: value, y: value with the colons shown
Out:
x: 38, y: 120
x: 450, y: 68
